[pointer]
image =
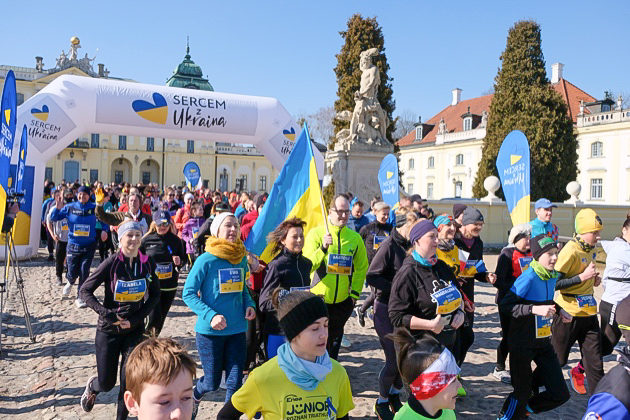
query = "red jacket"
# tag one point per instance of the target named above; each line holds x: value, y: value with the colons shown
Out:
x: 248, y: 222
x: 181, y: 217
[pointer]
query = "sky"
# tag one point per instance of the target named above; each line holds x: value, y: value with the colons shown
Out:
x: 286, y: 49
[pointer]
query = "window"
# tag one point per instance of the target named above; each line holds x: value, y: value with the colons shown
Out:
x: 411, y: 163
x: 146, y: 177
x: 150, y: 144
x: 95, y: 140
x: 241, y: 183
x: 431, y: 162
x: 122, y: 143
x: 409, y: 188
x: 190, y: 146
x: 430, y: 190
x: 419, y: 133
x: 459, y: 159
x: 118, y: 177
x: 597, y: 185
x: 605, y: 107
x: 458, y: 189
x: 262, y: 183
x: 48, y: 173
x: 20, y: 99
x: 467, y: 123
x: 597, y: 149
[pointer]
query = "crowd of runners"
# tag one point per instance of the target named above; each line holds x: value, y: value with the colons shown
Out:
x: 271, y: 333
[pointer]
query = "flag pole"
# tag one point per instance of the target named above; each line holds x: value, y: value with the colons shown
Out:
x: 321, y: 197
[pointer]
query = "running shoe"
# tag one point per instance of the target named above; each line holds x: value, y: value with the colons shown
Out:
x: 195, y: 408
x: 577, y: 381
x: 66, y: 289
x: 59, y: 281
x: 382, y: 411
x: 394, y: 402
x: 360, y: 315
x: 51, y: 257
x: 89, y: 397
x: 222, y: 384
x: 79, y: 303
x: 502, y: 375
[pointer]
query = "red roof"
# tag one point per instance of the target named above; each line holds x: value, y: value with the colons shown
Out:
x: 452, y: 114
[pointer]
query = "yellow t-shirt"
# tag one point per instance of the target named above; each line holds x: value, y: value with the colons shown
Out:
x: 451, y: 258
x: 268, y: 390
x: 572, y: 261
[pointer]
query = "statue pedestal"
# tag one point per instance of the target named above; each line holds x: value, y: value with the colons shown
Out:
x: 355, y: 169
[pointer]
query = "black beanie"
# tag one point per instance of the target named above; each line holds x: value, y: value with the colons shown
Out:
x: 541, y: 244
x: 302, y: 315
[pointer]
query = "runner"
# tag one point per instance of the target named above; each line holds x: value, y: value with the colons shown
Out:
x: 81, y: 239
x: 513, y: 260
x: 357, y: 219
x: 167, y: 254
x: 302, y: 375
x: 542, y: 223
x: 289, y: 270
x: 128, y: 278
x: 191, y: 229
x: 578, y: 277
x: 183, y: 214
x: 529, y: 303
x: 215, y: 291
x: 59, y: 232
x: 447, y: 251
x: 430, y: 371
x: 387, y: 261
x: 115, y: 218
x: 339, y: 263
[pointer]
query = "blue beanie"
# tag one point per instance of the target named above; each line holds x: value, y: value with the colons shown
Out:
x: 420, y: 229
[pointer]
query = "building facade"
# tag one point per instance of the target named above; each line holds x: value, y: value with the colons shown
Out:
x: 120, y: 158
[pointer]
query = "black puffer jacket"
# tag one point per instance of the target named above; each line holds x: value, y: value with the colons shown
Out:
x: 286, y: 270
x: 387, y: 261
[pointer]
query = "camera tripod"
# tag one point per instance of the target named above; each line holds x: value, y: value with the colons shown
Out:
x: 10, y: 259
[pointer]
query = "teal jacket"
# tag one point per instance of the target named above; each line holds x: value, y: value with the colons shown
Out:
x: 216, y: 297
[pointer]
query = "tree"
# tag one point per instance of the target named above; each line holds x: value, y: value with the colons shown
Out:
x: 404, y: 124
x: 361, y: 34
x: 524, y: 100
x: 320, y: 124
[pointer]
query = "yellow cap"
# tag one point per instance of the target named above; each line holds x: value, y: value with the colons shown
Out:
x: 587, y: 221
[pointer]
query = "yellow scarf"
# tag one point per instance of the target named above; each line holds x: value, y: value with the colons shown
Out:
x: 222, y: 248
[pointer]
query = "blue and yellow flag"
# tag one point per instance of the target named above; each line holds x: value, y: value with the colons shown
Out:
x: 388, y: 180
x: 514, y: 171
x: 192, y: 173
x: 296, y: 193
x: 21, y: 164
x: 8, y: 117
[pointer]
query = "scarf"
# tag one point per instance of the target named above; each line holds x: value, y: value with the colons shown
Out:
x: 307, y: 375
x: 446, y: 244
x: 423, y: 261
x: 542, y: 272
x: 224, y: 249
x: 585, y: 247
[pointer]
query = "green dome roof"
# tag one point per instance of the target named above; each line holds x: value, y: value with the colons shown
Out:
x: 189, y: 75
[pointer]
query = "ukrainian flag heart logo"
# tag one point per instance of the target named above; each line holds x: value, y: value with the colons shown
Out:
x: 40, y: 114
x: 156, y: 112
x: 289, y: 134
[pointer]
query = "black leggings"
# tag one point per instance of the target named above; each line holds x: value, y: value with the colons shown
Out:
x: 503, y: 347
x: 253, y: 334
x: 609, y: 329
x: 465, y: 338
x: 109, y: 349
x: 160, y: 311
x: 338, y: 314
x: 60, y: 257
x: 389, y: 374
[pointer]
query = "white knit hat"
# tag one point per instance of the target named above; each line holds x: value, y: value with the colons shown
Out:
x: 187, y: 196
x: 522, y: 229
x: 218, y: 220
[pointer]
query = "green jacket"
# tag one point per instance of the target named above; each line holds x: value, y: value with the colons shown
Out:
x: 339, y: 272
x: 407, y: 413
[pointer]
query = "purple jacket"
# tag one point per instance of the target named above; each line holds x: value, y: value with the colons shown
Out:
x: 189, y: 232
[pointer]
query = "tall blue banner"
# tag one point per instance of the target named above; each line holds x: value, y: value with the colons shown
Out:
x: 388, y: 180
x: 514, y: 172
x: 8, y: 117
x: 192, y: 173
x: 21, y: 164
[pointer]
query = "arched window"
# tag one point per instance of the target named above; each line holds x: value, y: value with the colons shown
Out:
x: 597, y: 149
x: 459, y: 159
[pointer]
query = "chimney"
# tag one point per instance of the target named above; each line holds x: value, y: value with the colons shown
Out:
x: 39, y: 64
x: 101, y: 70
x: 457, y: 96
x: 556, y: 72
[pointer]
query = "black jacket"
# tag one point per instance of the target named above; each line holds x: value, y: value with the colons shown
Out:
x: 162, y: 249
x: 369, y: 231
x: 115, y: 273
x: 286, y: 270
x: 199, y: 243
x: 387, y: 261
x: 505, y: 271
x: 476, y: 253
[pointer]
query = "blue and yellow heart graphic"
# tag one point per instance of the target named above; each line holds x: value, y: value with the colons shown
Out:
x: 156, y: 112
x: 40, y: 114
x: 289, y: 134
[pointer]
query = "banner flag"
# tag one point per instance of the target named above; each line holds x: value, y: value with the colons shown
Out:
x: 8, y: 116
x: 192, y: 173
x: 19, y: 172
x: 514, y: 171
x: 388, y: 180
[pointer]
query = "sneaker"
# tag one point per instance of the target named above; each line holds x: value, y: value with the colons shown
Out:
x: 345, y: 343
x: 195, y: 408
x: 89, y: 397
x: 502, y: 375
x: 59, y: 281
x: 360, y: 316
x: 66, y: 289
x: 394, y: 402
x: 382, y: 411
x: 80, y: 304
x: 577, y: 381
x: 222, y: 384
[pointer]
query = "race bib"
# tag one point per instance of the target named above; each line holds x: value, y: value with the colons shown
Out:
x: 303, y: 288
x: 586, y: 301
x: 543, y: 326
x: 64, y: 225
x: 448, y: 300
x: 299, y: 407
x: 378, y: 240
x: 230, y: 280
x: 524, y: 263
x: 164, y: 271
x: 130, y: 291
x: 81, y: 230
x: 195, y: 231
x: 339, y: 264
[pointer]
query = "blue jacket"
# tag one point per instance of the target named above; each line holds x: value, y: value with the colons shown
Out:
x: 357, y: 223
x: 210, y: 275
x: 81, y: 222
x: 544, y: 228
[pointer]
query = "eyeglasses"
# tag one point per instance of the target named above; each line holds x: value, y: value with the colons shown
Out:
x: 165, y: 224
x: 341, y: 212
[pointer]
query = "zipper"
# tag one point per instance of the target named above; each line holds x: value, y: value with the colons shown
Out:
x: 297, y: 265
x: 337, y: 275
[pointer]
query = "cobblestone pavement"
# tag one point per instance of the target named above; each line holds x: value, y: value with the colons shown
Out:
x: 45, y: 379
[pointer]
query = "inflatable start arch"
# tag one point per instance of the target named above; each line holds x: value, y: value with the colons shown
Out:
x: 73, y: 105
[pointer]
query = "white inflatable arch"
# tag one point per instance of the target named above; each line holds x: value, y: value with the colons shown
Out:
x: 71, y: 106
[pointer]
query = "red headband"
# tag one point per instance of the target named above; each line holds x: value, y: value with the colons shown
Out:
x: 436, y: 377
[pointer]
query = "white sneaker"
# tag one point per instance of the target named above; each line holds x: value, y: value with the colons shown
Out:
x: 502, y: 375
x: 79, y: 303
x: 222, y: 384
x: 66, y: 289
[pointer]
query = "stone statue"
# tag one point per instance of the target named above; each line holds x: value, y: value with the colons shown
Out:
x: 74, y: 46
x: 61, y: 61
x: 86, y: 62
x: 484, y: 119
x: 442, y: 127
x: 368, y: 121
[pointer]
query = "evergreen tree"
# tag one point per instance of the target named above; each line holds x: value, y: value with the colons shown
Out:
x: 362, y: 34
x: 524, y: 100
